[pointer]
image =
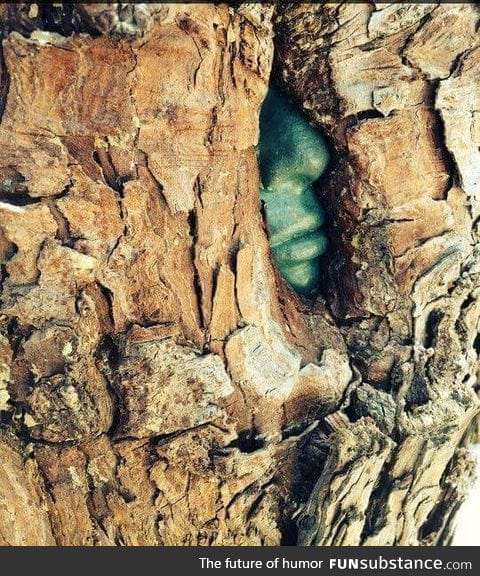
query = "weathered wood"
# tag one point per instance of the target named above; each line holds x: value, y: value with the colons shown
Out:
x: 159, y: 382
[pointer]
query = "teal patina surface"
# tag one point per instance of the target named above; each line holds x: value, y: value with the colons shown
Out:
x: 292, y: 155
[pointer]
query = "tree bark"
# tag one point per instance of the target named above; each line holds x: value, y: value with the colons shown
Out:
x: 160, y: 384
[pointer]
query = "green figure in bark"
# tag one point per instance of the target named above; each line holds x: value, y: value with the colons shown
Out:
x: 292, y: 156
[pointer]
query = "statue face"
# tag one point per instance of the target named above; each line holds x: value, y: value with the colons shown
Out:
x: 292, y: 155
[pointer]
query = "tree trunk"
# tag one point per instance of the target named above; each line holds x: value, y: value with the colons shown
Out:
x: 160, y: 384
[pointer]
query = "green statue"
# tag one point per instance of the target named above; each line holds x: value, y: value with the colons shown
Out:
x: 292, y: 155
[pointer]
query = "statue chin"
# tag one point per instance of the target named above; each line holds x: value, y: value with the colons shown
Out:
x: 292, y: 156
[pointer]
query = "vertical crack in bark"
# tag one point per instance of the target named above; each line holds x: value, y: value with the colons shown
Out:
x: 4, y: 81
x: 193, y: 231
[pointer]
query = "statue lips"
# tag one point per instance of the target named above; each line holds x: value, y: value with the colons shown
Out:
x: 292, y: 156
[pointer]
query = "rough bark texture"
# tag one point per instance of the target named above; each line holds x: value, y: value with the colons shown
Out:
x: 159, y: 382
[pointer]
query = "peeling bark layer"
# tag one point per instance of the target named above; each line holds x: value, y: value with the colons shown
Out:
x: 159, y: 383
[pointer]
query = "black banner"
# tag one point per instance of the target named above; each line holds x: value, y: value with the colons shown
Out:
x: 332, y: 561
